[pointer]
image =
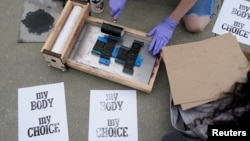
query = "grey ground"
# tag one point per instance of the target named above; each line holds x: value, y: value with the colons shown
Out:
x: 22, y: 65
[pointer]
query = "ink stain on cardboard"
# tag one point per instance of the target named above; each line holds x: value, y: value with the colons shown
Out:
x: 38, y: 22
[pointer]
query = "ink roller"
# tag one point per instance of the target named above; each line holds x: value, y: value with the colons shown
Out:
x: 67, y: 29
x: 112, y: 30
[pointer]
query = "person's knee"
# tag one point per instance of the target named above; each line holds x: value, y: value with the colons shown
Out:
x: 194, y: 28
x: 195, y: 23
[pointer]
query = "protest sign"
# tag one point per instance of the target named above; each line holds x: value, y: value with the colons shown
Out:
x: 42, y: 113
x: 234, y: 17
x: 113, y: 115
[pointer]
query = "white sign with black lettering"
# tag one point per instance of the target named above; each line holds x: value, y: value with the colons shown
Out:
x: 113, y: 115
x: 42, y: 113
x: 234, y: 17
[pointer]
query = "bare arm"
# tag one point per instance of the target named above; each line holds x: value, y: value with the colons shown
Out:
x: 181, y: 9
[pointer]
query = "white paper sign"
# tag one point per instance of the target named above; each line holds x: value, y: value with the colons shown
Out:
x: 113, y: 115
x: 234, y: 17
x: 42, y: 113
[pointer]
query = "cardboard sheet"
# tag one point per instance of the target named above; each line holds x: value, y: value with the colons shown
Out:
x: 199, y: 72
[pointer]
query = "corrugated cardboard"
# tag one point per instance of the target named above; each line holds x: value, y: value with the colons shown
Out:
x: 199, y: 72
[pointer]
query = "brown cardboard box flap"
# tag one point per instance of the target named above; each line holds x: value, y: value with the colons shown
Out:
x: 201, y: 71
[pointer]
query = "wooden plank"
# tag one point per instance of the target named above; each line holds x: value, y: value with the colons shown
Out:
x: 110, y: 76
x: 54, y: 59
x: 154, y: 72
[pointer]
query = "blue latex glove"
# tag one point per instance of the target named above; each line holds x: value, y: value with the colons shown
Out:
x: 161, y: 34
x: 117, y: 7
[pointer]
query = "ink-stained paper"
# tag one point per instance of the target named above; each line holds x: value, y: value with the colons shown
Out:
x: 113, y: 115
x: 234, y: 17
x: 42, y: 113
x: 37, y: 20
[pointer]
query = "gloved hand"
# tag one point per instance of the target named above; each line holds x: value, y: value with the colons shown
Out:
x: 161, y: 34
x: 117, y: 7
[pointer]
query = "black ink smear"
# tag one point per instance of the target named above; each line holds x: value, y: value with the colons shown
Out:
x: 38, y: 22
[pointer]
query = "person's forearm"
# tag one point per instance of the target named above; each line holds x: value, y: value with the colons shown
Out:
x: 182, y: 8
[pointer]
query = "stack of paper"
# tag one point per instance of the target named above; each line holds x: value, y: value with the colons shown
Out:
x: 200, y: 72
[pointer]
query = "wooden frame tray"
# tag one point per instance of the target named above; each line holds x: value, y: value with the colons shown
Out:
x: 77, y: 50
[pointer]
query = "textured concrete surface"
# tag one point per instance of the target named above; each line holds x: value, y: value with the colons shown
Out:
x: 22, y: 65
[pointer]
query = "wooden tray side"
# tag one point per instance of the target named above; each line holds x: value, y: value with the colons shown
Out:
x: 49, y: 56
x: 76, y: 30
x: 109, y: 76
